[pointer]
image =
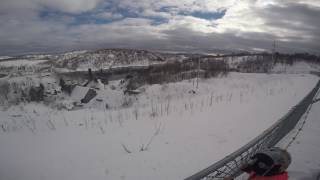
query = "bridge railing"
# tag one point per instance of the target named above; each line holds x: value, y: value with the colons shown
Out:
x: 230, y: 165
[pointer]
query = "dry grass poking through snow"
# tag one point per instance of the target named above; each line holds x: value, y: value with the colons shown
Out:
x: 169, y: 132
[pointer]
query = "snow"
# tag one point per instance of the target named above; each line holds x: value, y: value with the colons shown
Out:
x: 107, y: 58
x: 21, y: 62
x: 233, y: 62
x: 79, y: 92
x: 305, y: 149
x: 170, y: 131
x: 296, y: 68
x: 4, y: 57
x: 109, y: 66
x: 62, y: 70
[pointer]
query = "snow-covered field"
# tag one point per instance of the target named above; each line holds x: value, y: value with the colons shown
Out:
x: 169, y: 132
x: 297, y: 68
x: 305, y: 149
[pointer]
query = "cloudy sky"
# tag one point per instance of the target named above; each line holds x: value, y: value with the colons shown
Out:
x: 29, y: 26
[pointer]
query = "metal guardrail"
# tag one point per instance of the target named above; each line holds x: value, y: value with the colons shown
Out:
x: 230, y: 165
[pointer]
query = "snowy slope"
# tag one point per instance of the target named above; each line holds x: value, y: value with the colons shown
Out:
x: 21, y: 62
x: 169, y: 132
x: 107, y: 58
x: 96, y: 60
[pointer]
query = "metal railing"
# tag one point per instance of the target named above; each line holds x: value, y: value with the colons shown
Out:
x: 230, y: 165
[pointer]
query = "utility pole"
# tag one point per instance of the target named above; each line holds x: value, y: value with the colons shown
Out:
x: 273, y: 50
x: 198, y: 73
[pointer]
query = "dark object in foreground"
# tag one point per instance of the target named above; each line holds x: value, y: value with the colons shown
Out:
x: 36, y: 93
x: 90, y: 95
x: 268, y: 164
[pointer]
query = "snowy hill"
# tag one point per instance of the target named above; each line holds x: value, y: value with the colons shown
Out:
x: 118, y: 58
x: 96, y: 60
x: 106, y: 58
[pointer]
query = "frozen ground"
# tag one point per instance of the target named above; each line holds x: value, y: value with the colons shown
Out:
x: 168, y: 133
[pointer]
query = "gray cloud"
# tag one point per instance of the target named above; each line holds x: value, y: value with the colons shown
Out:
x: 247, y: 25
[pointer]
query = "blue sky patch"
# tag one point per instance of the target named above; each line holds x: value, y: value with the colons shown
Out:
x: 206, y: 15
x: 94, y: 18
